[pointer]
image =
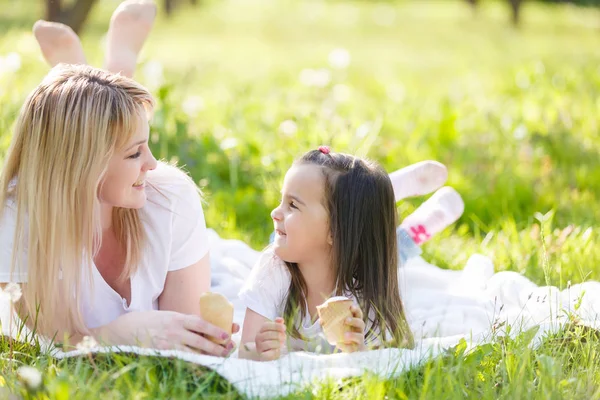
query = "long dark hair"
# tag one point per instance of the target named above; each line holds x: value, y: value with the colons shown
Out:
x: 362, y: 217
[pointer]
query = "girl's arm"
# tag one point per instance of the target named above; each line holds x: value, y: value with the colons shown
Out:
x: 262, y: 338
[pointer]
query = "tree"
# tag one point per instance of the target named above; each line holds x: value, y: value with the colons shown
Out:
x: 73, y: 16
x: 76, y: 15
x: 515, y: 6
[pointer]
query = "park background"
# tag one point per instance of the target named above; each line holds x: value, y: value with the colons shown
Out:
x: 510, y: 105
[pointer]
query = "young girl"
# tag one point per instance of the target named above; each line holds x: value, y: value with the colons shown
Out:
x: 335, y: 235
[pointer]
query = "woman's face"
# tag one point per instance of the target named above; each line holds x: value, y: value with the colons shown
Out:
x: 125, y: 180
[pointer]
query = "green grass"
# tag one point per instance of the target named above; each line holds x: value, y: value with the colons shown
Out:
x: 514, y: 114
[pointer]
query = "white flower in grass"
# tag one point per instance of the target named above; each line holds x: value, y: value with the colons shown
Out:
x: 315, y: 77
x: 11, y: 62
x: 520, y: 132
x: 384, y: 15
x: 87, y: 344
x: 12, y: 292
x: 364, y: 130
x: 341, y: 93
x: 192, y: 105
x: 307, y: 76
x: 229, y: 143
x: 339, y: 58
x: 396, y: 92
x: 322, y: 77
x: 153, y: 73
x: 266, y: 160
x: 288, y: 127
x: 30, y: 376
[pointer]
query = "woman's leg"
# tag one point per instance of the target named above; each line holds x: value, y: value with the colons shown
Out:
x: 58, y: 42
x: 129, y: 27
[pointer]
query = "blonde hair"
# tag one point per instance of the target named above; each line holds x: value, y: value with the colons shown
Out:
x: 67, y: 131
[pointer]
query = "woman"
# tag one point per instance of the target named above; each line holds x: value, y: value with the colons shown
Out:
x: 105, y: 241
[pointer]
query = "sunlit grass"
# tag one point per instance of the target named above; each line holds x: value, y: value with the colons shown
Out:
x: 514, y: 114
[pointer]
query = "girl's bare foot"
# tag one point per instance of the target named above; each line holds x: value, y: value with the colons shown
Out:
x: 418, y: 179
x: 58, y: 42
x: 129, y: 27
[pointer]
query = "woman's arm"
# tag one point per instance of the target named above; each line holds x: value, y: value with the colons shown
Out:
x: 183, y: 288
x: 156, y: 329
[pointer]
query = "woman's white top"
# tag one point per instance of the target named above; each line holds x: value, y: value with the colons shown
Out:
x: 177, y: 238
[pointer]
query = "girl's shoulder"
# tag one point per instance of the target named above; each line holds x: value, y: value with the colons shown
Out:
x: 269, y: 265
x: 269, y: 274
x: 265, y: 290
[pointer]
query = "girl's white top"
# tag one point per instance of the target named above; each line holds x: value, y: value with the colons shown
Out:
x: 265, y: 292
x: 176, y: 234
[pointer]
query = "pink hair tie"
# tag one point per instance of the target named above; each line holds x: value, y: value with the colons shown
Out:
x: 324, y: 149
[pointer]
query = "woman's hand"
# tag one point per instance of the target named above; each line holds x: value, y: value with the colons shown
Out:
x: 270, y: 339
x: 166, y: 330
x: 354, y: 340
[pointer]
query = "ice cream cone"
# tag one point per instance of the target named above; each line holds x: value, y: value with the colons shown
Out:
x: 217, y: 310
x: 332, y: 314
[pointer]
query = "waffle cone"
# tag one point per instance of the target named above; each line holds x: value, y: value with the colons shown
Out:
x: 217, y: 310
x: 332, y: 314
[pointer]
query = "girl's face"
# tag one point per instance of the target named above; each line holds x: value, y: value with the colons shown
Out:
x: 124, y: 183
x: 301, y: 220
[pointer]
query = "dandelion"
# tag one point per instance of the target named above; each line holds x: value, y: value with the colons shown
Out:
x: 520, y: 132
x: 229, y: 143
x: 192, y: 105
x: 203, y: 182
x: 396, y: 92
x: 339, y: 58
x: 322, y: 77
x: 522, y: 80
x: 10, y: 63
x: 87, y: 344
x: 384, y: 15
x: 341, y: 93
x: 363, y: 130
x: 153, y: 73
x: 30, y: 376
x: 12, y: 292
x: 288, y: 127
x: 266, y: 161
x: 506, y: 122
x: 315, y: 77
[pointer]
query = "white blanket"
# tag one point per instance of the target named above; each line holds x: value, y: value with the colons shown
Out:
x: 442, y: 307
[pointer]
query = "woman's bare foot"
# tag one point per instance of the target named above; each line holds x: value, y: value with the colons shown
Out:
x: 58, y: 42
x: 129, y: 27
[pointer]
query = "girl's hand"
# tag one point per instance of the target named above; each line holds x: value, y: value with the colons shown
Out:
x: 355, y: 339
x: 166, y: 330
x: 270, y: 339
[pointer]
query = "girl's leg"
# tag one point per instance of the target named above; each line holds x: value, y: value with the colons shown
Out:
x: 418, y: 179
x: 58, y: 42
x: 434, y: 215
x: 130, y: 25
